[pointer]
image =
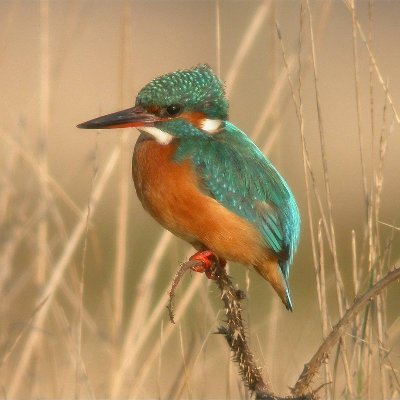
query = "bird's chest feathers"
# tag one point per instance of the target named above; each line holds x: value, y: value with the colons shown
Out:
x: 167, y: 189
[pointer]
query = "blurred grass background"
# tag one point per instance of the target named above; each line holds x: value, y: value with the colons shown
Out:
x: 83, y: 288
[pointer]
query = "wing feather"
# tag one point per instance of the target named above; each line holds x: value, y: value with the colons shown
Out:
x: 236, y: 173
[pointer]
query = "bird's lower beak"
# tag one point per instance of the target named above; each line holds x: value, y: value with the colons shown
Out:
x: 131, y: 117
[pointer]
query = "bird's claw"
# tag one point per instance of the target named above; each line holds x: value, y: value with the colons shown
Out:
x: 207, y: 260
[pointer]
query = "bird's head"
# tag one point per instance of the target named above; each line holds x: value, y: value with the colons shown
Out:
x: 185, y: 103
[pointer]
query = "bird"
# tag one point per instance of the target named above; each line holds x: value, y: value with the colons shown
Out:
x: 204, y: 180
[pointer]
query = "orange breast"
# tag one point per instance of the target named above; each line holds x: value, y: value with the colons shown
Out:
x: 171, y: 193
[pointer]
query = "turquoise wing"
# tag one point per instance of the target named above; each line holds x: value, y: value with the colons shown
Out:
x: 239, y: 176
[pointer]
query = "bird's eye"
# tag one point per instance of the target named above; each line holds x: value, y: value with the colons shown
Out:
x: 173, y: 109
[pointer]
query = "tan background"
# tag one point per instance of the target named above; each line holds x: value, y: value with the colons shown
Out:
x: 69, y: 61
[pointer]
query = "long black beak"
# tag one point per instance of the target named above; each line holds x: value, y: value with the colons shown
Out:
x: 131, y: 117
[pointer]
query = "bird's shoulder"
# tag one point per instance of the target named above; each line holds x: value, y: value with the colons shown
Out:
x: 238, y: 175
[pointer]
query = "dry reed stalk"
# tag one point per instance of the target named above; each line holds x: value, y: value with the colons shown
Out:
x: 177, y: 386
x: 323, y: 303
x: 357, y: 99
x: 381, y: 341
x: 69, y: 347
x: 6, y: 187
x: 273, y: 136
x: 381, y: 329
x: 318, y: 278
x: 213, y: 316
x: 356, y: 289
x: 318, y: 259
x: 47, y: 295
x: 62, y: 321
x: 381, y: 310
x: 276, y: 93
x: 271, y: 342
x: 311, y: 368
x: 42, y: 256
x: 396, y: 228
x: 127, y: 364
x: 305, y: 154
x: 184, y: 303
x: 88, y: 320
x: 393, y: 334
x: 371, y: 82
x: 180, y: 383
x: 339, y: 280
x: 375, y: 65
x: 34, y: 167
x: 123, y: 185
x: 383, y: 141
x: 140, y: 325
x: 273, y: 97
x: 368, y: 195
x: 42, y: 234
x: 82, y: 282
x: 121, y: 235
x: 14, y: 344
x: 381, y: 300
x: 245, y: 44
x: 16, y: 240
x: 7, y: 252
x: 8, y: 246
x: 145, y: 289
x: 185, y: 367
x: 361, y: 374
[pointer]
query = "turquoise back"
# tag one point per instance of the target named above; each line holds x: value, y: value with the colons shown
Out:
x: 238, y: 175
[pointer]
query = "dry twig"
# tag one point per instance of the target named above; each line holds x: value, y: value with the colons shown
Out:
x: 310, y: 369
x: 175, y: 282
x: 235, y: 333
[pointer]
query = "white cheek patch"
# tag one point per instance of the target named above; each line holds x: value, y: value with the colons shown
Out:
x: 160, y: 136
x: 210, y: 125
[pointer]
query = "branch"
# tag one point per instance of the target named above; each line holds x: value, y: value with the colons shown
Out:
x: 302, y: 385
x: 235, y: 333
x: 175, y: 282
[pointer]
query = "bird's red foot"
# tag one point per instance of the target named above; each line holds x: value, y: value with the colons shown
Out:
x: 207, y: 259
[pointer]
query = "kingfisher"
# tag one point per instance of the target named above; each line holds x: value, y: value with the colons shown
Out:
x: 205, y: 181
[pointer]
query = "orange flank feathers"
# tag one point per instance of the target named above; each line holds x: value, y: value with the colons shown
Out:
x: 194, y: 216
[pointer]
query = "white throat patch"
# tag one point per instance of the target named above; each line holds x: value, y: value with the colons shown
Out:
x: 160, y: 136
x: 210, y: 125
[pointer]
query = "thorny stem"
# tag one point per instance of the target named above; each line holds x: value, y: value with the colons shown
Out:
x: 235, y: 333
x: 311, y: 368
x: 175, y: 282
